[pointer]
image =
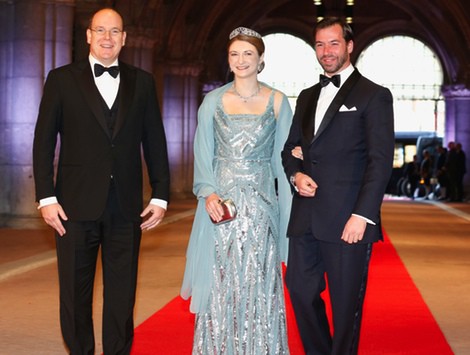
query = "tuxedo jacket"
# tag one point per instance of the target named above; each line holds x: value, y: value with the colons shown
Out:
x: 350, y: 158
x: 72, y: 114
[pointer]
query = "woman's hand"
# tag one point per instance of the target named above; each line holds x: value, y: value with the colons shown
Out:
x: 213, y: 207
x: 297, y: 153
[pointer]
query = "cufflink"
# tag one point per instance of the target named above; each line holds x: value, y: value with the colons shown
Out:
x: 292, y: 181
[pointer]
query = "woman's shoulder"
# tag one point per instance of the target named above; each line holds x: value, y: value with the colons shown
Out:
x: 210, y: 102
x: 276, y: 92
x: 279, y: 98
x: 215, y: 93
x: 212, y: 98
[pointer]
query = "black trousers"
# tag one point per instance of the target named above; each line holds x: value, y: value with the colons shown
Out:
x: 346, y: 268
x: 77, y: 253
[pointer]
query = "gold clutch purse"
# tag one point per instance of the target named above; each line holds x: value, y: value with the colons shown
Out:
x: 230, y: 212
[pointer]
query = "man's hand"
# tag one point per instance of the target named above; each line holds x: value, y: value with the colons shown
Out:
x: 306, y: 187
x: 354, y: 230
x: 155, y: 215
x: 52, y: 215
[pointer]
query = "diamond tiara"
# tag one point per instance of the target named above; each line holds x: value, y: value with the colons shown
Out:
x: 243, y: 31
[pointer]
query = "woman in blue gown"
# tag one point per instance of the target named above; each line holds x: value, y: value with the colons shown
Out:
x: 233, y: 270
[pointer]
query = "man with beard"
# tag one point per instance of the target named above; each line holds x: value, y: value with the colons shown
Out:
x: 338, y: 157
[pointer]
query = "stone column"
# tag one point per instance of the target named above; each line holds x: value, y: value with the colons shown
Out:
x: 139, y: 48
x: 457, y: 99
x: 181, y: 100
x: 35, y: 37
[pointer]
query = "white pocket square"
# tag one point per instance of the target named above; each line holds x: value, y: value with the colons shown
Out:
x: 345, y: 109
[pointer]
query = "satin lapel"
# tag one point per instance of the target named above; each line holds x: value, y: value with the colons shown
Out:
x: 126, y: 93
x: 308, y: 120
x: 91, y: 93
x: 338, y: 101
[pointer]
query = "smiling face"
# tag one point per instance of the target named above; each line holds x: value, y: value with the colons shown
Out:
x: 105, y: 36
x: 332, y: 50
x: 244, y: 59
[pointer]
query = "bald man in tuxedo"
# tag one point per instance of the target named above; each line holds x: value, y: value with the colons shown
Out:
x: 105, y: 114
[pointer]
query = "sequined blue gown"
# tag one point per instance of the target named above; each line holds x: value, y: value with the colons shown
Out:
x: 246, y: 312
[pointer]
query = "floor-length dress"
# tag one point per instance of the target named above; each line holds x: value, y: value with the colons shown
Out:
x: 246, y: 312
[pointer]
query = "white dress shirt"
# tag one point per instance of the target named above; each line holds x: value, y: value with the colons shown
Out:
x: 106, y: 84
x: 327, y: 94
x: 108, y: 88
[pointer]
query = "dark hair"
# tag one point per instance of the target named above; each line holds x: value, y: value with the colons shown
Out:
x: 255, y: 41
x: 348, y: 34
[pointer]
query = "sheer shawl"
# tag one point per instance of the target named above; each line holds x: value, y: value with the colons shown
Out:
x: 200, y: 251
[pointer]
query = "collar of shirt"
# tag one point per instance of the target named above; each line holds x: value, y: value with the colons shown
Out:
x: 344, y: 76
x: 94, y: 61
x: 328, y: 93
x: 106, y: 84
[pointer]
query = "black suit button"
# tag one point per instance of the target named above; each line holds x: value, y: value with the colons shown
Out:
x: 314, y: 161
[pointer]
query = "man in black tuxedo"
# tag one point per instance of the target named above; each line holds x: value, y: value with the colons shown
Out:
x: 104, y: 112
x: 344, y: 128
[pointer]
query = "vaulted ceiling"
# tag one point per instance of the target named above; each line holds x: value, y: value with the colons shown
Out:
x: 195, y: 31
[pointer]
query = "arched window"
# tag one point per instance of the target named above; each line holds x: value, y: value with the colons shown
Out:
x: 291, y: 65
x: 403, y: 64
x: 413, y: 73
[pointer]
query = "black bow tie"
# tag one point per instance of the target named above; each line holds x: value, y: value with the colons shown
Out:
x: 113, y: 71
x: 325, y: 80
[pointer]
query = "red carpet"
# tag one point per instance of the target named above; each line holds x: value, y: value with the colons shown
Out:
x: 396, y: 320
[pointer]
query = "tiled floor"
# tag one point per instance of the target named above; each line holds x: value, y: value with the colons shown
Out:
x: 432, y: 239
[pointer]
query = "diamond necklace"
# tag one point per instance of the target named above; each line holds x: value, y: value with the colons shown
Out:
x: 246, y: 98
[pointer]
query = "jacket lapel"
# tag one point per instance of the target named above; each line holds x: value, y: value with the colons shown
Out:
x: 308, y: 119
x: 126, y: 90
x: 338, y: 101
x: 90, y: 92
